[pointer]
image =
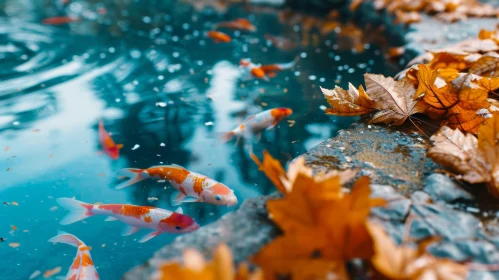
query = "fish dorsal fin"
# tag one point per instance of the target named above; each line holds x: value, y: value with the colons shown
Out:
x: 179, y: 210
x: 177, y: 166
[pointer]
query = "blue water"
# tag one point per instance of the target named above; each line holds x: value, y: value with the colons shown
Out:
x: 165, y: 92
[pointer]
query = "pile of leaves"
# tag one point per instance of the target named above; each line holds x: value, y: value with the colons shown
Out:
x: 324, y: 227
x: 457, y: 85
x: 447, y: 10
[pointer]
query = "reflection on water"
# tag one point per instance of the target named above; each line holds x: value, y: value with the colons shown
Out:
x: 165, y: 92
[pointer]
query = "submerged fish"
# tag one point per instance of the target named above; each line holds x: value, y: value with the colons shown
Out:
x: 191, y: 186
x: 239, y: 24
x: 257, y: 123
x: 272, y: 69
x: 83, y: 267
x: 218, y: 37
x: 59, y: 20
x: 107, y: 143
x: 136, y: 217
x: 253, y: 69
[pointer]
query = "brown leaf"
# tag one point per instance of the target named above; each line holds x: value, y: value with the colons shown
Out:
x: 486, y: 66
x: 394, y: 99
x: 351, y: 102
x: 403, y: 262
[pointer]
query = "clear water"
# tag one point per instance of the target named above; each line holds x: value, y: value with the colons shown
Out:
x: 160, y: 86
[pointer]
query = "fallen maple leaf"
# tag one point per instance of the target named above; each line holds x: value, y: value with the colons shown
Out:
x: 475, y: 160
x: 486, y: 66
x: 196, y: 267
x: 403, y: 262
x: 394, y: 99
x: 351, y: 102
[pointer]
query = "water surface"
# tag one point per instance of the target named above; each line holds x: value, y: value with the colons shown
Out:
x: 165, y: 92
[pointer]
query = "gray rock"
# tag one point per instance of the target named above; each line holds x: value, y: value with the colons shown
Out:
x: 398, y: 206
x: 479, y: 251
x: 441, y: 187
x: 388, y: 156
x: 246, y: 231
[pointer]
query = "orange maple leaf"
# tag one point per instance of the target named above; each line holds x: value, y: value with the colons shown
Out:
x: 351, y: 102
x: 196, y: 267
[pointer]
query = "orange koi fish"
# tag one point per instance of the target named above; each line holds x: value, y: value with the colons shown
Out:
x: 218, y: 37
x: 59, y: 20
x: 107, y: 143
x: 239, y: 24
x: 255, y: 124
x: 83, y: 267
x: 136, y: 217
x: 191, y: 186
x: 272, y: 69
x: 253, y: 69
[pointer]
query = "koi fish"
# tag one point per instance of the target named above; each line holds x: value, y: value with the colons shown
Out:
x: 255, y: 124
x: 253, y: 69
x: 218, y: 37
x: 191, y: 186
x: 59, y: 20
x: 136, y: 217
x: 240, y: 24
x: 83, y: 267
x: 107, y: 143
x: 281, y: 43
x: 272, y: 69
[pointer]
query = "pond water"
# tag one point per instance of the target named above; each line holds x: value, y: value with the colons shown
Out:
x: 163, y: 90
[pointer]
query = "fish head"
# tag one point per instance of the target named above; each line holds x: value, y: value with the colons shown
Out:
x: 178, y: 223
x: 281, y: 113
x: 220, y: 194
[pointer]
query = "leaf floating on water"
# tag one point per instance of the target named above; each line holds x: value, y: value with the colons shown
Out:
x: 15, y: 203
x: 14, y: 245
x: 51, y: 272
x: 13, y: 227
x: 35, y: 274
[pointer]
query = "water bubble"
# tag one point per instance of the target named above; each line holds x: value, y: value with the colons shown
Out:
x: 312, y: 77
x: 161, y: 77
x: 175, y: 54
x: 303, y: 55
x: 162, y: 144
x: 322, y: 80
x: 146, y: 19
x: 297, y: 73
x: 135, y: 147
x: 111, y: 50
x: 185, y: 26
x: 337, y: 58
x: 135, y: 54
x: 208, y: 123
x: 322, y: 107
x: 296, y: 28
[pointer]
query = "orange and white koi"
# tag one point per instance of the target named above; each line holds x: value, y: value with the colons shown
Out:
x: 253, y: 69
x: 59, y: 20
x: 136, y: 217
x: 107, y: 143
x: 191, y: 186
x: 239, y: 24
x: 272, y: 69
x: 255, y: 124
x: 218, y: 37
x: 83, y: 267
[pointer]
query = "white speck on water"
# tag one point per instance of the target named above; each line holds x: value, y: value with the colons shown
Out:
x: 337, y: 58
x: 135, y: 54
x: 135, y: 147
x: 111, y: 50
x: 237, y: 33
x: 472, y: 209
x: 161, y: 104
x: 351, y: 70
x: 322, y: 107
x: 161, y: 77
x: 369, y: 126
x: 162, y: 144
x: 303, y: 55
x: 322, y: 80
x: 175, y: 38
x: 297, y: 73
x: 296, y: 28
x: 208, y: 123
x: 312, y: 77
x: 199, y: 62
x: 118, y: 100
x: 195, y: 33
x: 175, y: 54
x: 16, y: 123
x: 146, y: 19
x: 186, y: 26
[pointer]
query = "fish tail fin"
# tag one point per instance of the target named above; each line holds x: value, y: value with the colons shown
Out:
x: 63, y: 237
x: 227, y: 136
x: 134, y: 175
x: 77, y: 210
x: 289, y: 65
